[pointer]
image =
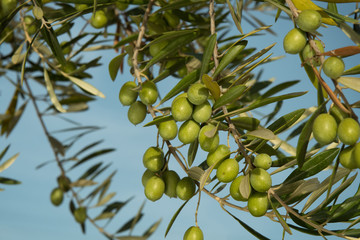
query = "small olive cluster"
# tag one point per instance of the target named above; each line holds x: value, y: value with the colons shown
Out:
x: 296, y: 42
x: 326, y: 128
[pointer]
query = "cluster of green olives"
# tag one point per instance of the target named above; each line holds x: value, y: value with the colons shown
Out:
x: 326, y: 128
x: 260, y: 182
x: 296, y: 42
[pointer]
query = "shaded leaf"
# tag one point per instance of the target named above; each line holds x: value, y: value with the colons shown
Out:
x: 93, y: 155
x: 208, y: 52
x: 83, y: 183
x: 230, y: 96
x: 192, y: 151
x: 52, y: 41
x: 350, y: 82
x: 213, y: 86
x: 115, y: 64
x: 262, y: 133
x: 9, y: 181
x: 247, y: 123
x: 152, y: 229
x: 174, y: 217
x: 57, y: 146
x: 2, y: 154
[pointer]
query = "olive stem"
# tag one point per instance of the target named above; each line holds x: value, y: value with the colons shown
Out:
x: 293, y: 9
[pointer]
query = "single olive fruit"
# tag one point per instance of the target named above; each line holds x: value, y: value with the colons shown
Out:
x: 171, y: 179
x: 99, y: 19
x: 263, y: 161
x: 148, y: 93
x: 260, y: 180
x: 333, y: 67
x: 189, y: 131
x: 182, y: 72
x: 155, y: 48
x: 309, y: 54
x: 57, y: 196
x: 348, y: 131
x: 81, y: 7
x: 69, y: 67
x: 337, y: 113
x: 154, y: 188
x: 137, y: 112
x: 64, y: 183
x: 193, y: 233
x: 208, y: 140
x: 202, y: 112
x: 356, y: 154
x: 235, y: 189
x: 122, y: 6
x: 221, y: 153
x: 185, y: 188
x: 294, y: 41
x: 181, y: 109
x: 153, y: 159
x: 80, y: 214
x: 309, y: 20
x: 168, y: 129
x: 347, y: 159
x: 8, y: 34
x: 127, y: 94
x: 258, y: 204
x: 66, y: 48
x: 197, y: 93
x: 7, y: 6
x: 324, y: 128
x: 30, y: 24
x: 227, y: 170
x: 146, y: 176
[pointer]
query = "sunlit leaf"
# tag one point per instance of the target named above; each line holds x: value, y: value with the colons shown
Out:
x: 281, y: 220
x: 208, y: 52
x: 105, y: 199
x: 262, y: 133
x: 158, y: 120
x: 8, y: 162
x: 350, y: 82
x: 86, y: 86
x: 83, y: 183
x: 247, y: 123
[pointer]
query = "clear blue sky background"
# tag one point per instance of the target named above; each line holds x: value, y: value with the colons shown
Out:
x: 26, y: 211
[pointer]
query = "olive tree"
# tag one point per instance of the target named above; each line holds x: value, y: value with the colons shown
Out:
x: 213, y: 108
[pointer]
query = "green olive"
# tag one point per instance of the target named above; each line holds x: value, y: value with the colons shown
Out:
x: 148, y: 93
x: 202, y: 112
x: 208, y: 143
x: 333, y: 67
x: 64, y: 183
x: 294, y: 41
x: 137, y: 112
x: 347, y: 159
x: 154, y: 188
x: 235, y: 189
x: 258, y: 204
x: 197, y: 93
x: 181, y: 109
x: 168, y: 129
x: 221, y: 153
x: 155, y: 48
x: 356, y: 154
x: 185, y: 188
x: 348, y: 131
x: 99, y: 19
x: 127, y: 94
x: 324, y: 128
x: 172, y: 19
x: 193, y: 233
x: 260, y: 180
x: 227, y: 170
x: 146, y: 176
x: 122, y: 6
x: 30, y: 24
x: 81, y: 7
x: 189, y: 131
x: 66, y: 48
x: 171, y: 179
x: 80, y: 214
x: 309, y: 55
x: 153, y: 159
x: 57, y: 196
x: 263, y: 161
x: 309, y: 20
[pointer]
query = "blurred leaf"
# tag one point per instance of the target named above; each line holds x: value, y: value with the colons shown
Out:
x: 278, y: 88
x: 103, y: 216
x: 229, y: 56
x: 105, y: 199
x: 213, y: 86
x: 8, y: 162
x: 86, y: 86
x: 247, y: 123
x: 151, y: 229
x: 115, y: 64
x: 18, y: 56
x: 174, y: 217
x: 8, y: 181
x: 93, y: 155
x: 262, y: 133
x: 355, y: 37
x: 91, y: 170
x: 281, y: 220
x: 192, y: 151
x: 50, y: 89
x: 276, y: 110
x: 57, y: 146
x: 83, y: 183
x: 314, y: 165
x: 87, y: 147
x: 230, y: 96
x: 129, y: 224
x: 131, y: 238
x: 247, y: 227
x: 2, y: 154
x: 10, y: 124
x: 350, y: 82
x: 126, y: 40
x: 303, y: 190
x: 208, y: 52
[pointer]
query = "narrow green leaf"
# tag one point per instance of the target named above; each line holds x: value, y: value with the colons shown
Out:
x: 286, y: 121
x: 314, y: 165
x: 213, y: 86
x: 50, y: 89
x: 278, y: 88
x: 8, y: 162
x: 86, y: 86
x: 231, y: 95
x: 262, y: 133
x: 281, y: 220
x: 126, y: 40
x: 52, y: 41
x: 129, y: 224
x: 247, y: 227
x: 93, y: 155
x: 192, y: 151
x: 205, y: 177
x: 83, y: 183
x: 350, y: 82
x: 229, y: 56
x: 234, y: 17
x: 105, y: 215
x: 57, y: 145
x: 152, y: 229
x: 2, y: 154
x: 245, y: 187
x: 260, y: 103
x: 18, y: 56
x: 247, y: 123
x: 158, y: 120
x: 195, y: 173
x: 352, y: 71
x: 105, y: 199
x: 115, y: 64
x: 8, y: 181
x: 208, y: 52
x: 174, y: 218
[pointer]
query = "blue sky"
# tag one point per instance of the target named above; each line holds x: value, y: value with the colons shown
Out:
x: 26, y: 211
